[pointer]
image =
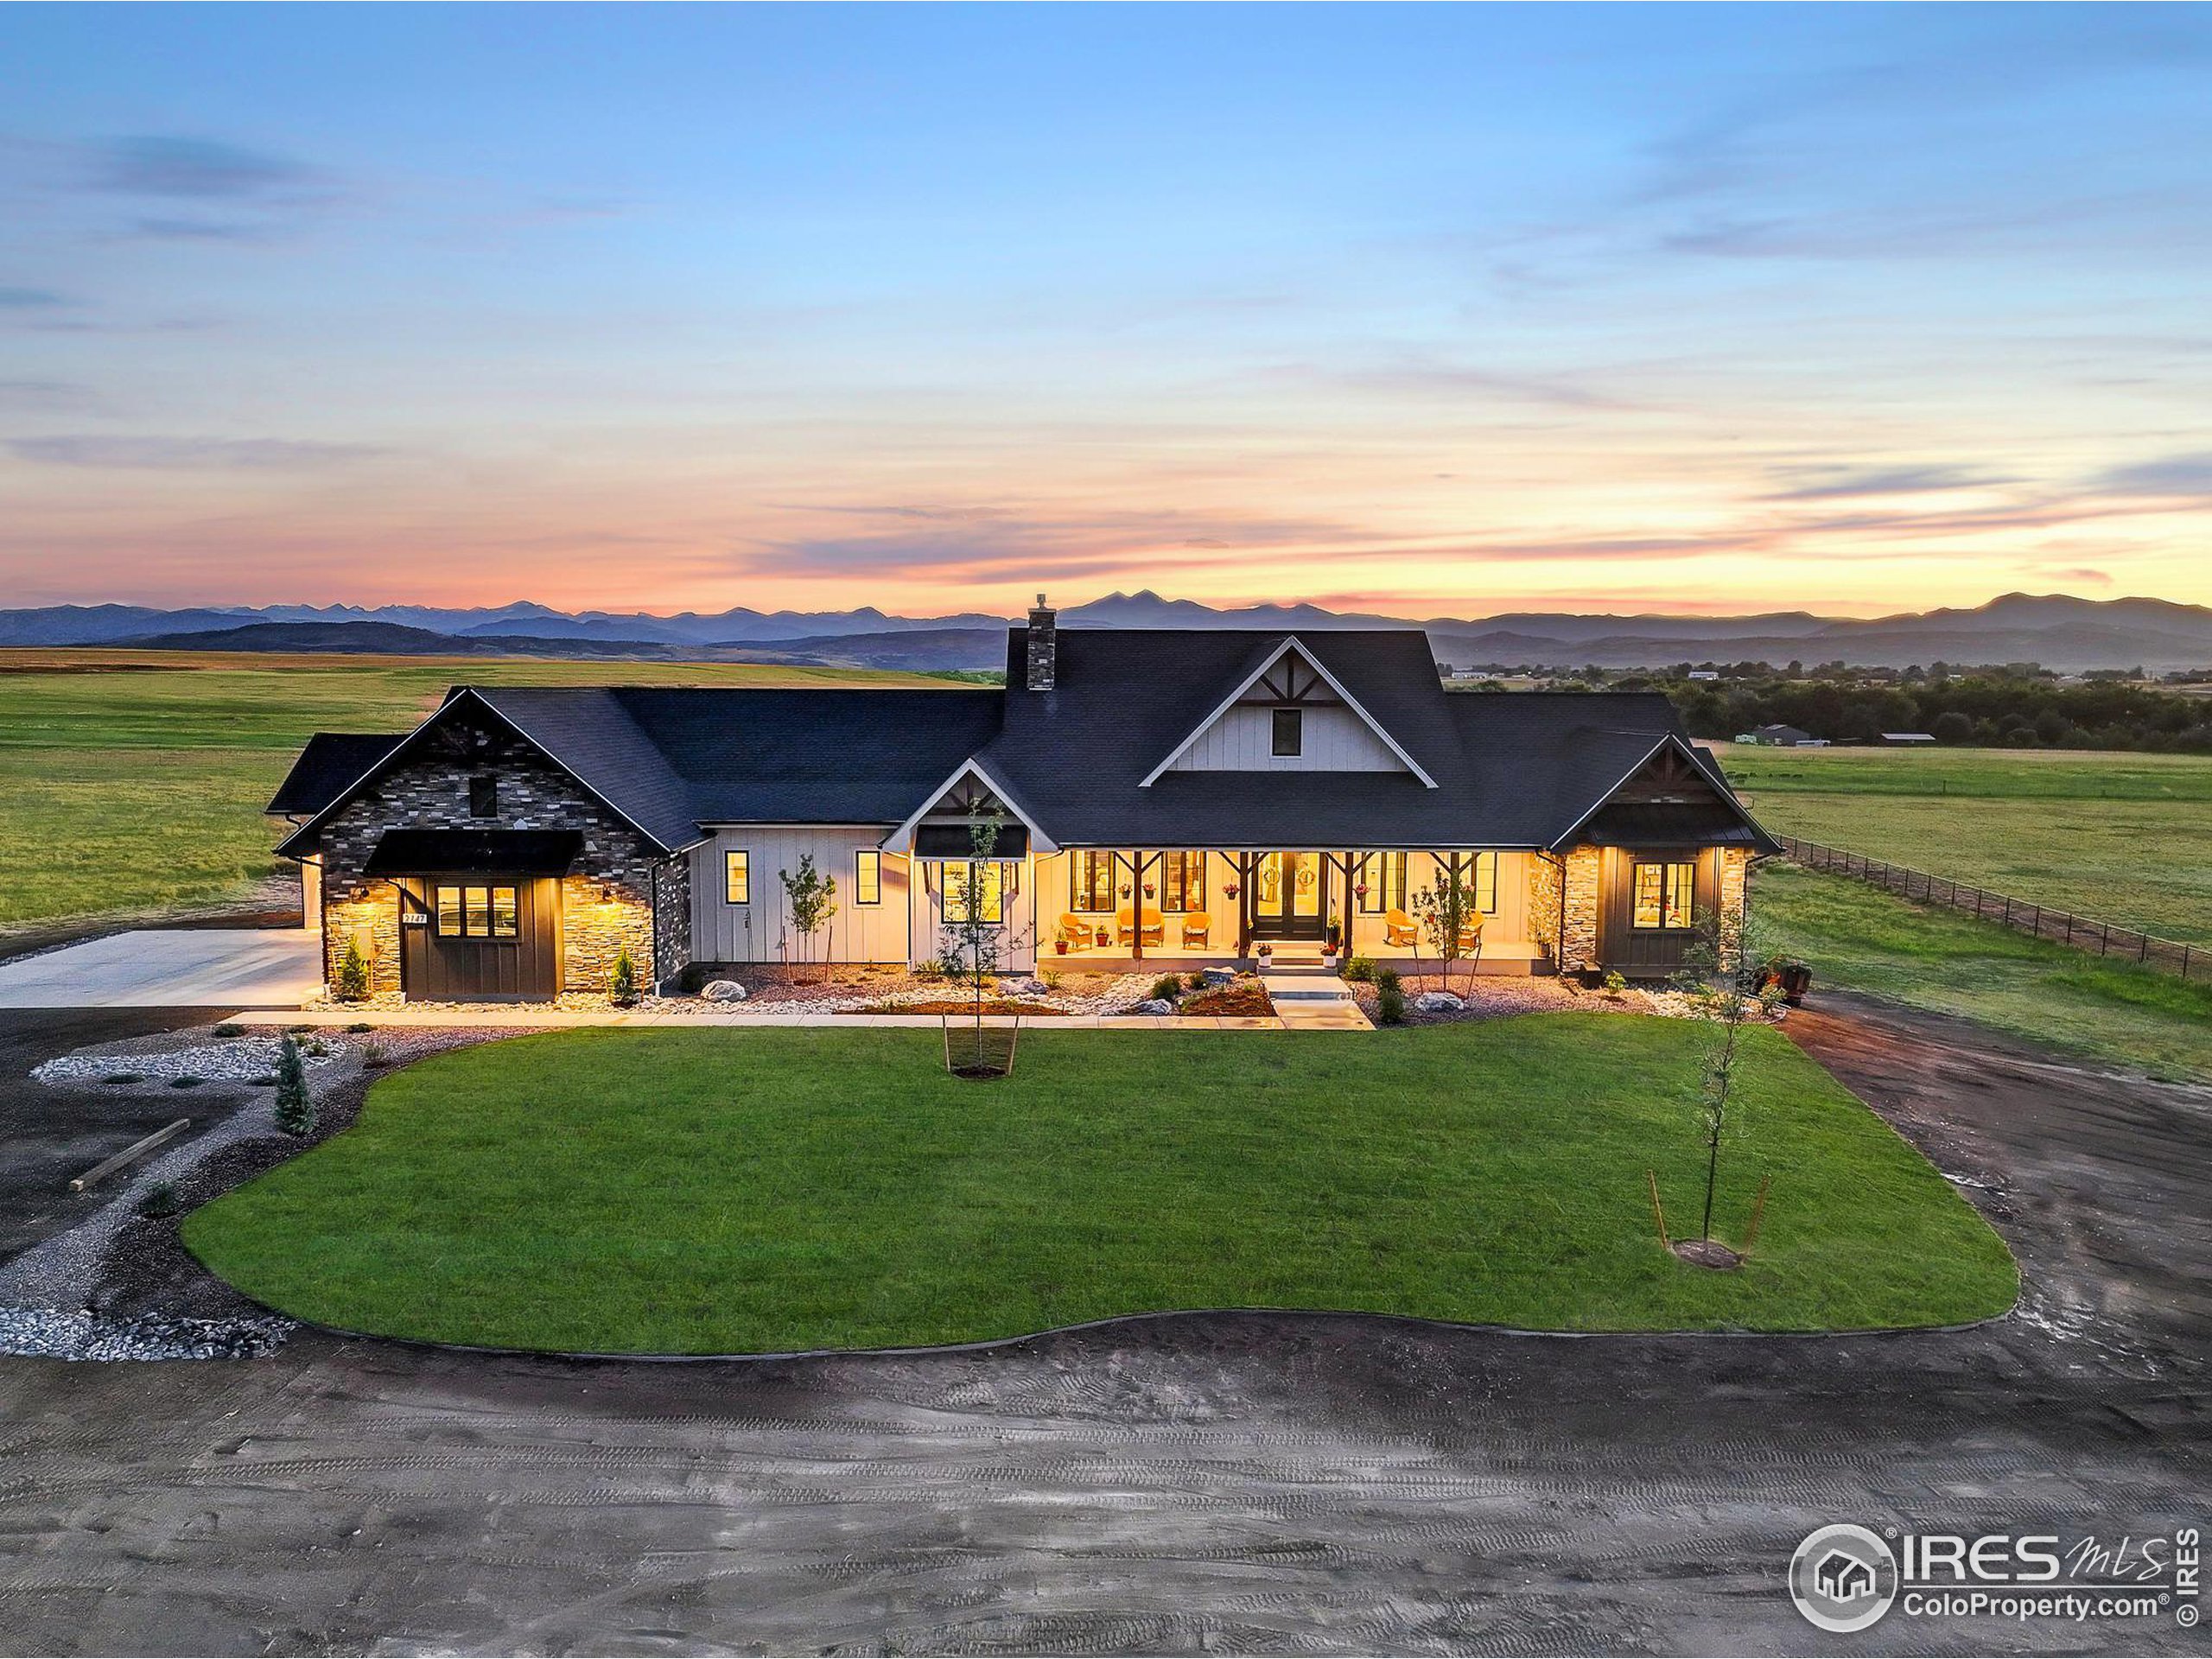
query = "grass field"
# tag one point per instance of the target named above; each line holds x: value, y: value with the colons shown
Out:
x: 2125, y: 838
x: 135, y: 780
x: 1865, y: 939
x: 699, y: 1192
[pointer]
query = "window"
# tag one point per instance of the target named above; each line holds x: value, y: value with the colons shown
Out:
x: 737, y: 877
x: 474, y: 913
x: 1183, y: 880
x: 1090, y: 881
x: 1290, y: 731
x: 1478, y: 873
x: 867, y: 877
x: 1664, y: 894
x: 982, y: 882
x: 1384, y: 875
x: 484, y: 796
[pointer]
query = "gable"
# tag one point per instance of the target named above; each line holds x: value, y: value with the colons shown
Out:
x: 1672, y: 798
x: 1291, y: 701
x: 941, y: 827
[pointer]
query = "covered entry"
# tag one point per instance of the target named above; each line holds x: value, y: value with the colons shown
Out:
x: 480, y: 911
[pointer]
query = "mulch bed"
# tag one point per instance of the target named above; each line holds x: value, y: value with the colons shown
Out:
x: 1247, y: 997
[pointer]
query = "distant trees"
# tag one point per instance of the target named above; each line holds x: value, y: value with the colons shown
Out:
x: 1986, y: 707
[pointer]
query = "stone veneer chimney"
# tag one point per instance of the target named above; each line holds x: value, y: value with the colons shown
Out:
x: 1044, y: 646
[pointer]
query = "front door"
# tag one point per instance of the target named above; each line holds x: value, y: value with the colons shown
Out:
x: 480, y: 938
x: 1290, y: 896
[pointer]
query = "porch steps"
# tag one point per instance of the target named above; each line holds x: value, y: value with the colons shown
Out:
x: 1313, y: 1002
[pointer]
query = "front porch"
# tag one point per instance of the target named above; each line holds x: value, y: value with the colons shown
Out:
x: 1167, y: 910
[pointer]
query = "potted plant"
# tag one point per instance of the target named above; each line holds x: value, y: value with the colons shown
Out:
x: 1267, y: 953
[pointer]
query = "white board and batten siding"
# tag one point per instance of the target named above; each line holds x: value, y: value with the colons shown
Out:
x: 761, y: 930
x: 1243, y: 740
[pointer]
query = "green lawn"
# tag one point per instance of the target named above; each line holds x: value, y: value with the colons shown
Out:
x: 134, y: 780
x: 1867, y: 939
x: 701, y: 1191
x: 2125, y: 838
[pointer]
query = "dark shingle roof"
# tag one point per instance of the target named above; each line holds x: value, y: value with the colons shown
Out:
x: 802, y: 755
x: 1510, y: 769
x: 330, y: 762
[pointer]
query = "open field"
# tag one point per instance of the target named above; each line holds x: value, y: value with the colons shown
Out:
x: 700, y: 1190
x: 134, y: 780
x: 1865, y: 939
x: 2123, y: 837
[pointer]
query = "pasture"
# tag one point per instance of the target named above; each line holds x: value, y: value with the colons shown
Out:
x: 133, y: 781
x: 2123, y: 837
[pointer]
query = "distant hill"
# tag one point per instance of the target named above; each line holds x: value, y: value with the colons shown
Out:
x: 2056, y: 630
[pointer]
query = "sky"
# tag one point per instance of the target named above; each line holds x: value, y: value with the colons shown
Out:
x: 1436, y: 311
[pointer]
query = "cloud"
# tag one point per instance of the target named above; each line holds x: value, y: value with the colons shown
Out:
x: 198, y: 169
x: 25, y: 299
x: 189, y: 454
x: 1816, y: 483
x: 2190, y: 474
x: 201, y: 230
x: 2082, y: 573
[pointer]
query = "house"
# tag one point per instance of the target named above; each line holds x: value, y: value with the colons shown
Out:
x: 1705, y: 673
x: 1172, y: 797
x: 1782, y: 737
x: 1844, y: 1578
x: 1907, y: 739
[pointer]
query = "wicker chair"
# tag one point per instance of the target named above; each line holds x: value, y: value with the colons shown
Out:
x: 1195, y: 926
x: 1398, y: 929
x: 1125, y: 926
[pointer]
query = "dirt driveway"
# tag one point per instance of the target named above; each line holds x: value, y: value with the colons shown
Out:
x: 1258, y: 1482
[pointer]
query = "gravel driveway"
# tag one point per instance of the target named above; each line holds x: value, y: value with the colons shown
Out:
x: 1253, y: 1482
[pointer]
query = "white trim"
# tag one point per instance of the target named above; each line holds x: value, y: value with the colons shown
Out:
x: 904, y: 835
x: 1336, y: 685
x: 1724, y: 789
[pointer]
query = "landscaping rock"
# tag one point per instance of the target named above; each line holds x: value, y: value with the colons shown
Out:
x: 1028, y: 986
x: 1438, y: 1002
x: 723, y: 990
x: 1154, y: 1005
x: 51, y: 1333
x: 1218, y: 975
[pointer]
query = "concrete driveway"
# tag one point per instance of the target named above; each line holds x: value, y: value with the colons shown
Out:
x: 170, y: 968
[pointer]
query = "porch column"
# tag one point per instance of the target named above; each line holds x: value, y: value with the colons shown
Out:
x: 1243, y: 862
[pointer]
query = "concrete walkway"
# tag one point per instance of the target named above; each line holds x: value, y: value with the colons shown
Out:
x: 171, y: 968
x: 1314, y: 1001
x: 536, y: 1017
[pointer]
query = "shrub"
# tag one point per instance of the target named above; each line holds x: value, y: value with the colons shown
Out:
x: 1387, y: 978
x: 352, y: 974
x: 1049, y: 978
x: 373, y: 1057
x: 622, y: 985
x: 159, y: 1199
x: 1616, y: 984
x: 360, y: 1026
x: 1359, y: 969
x: 186, y: 1080
x: 294, y: 1107
x: 1196, y: 981
x: 226, y: 1029
x: 1165, y: 988
x: 120, y: 1077
x: 1390, y: 1003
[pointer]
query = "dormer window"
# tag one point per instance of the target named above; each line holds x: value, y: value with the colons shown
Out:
x: 1290, y: 731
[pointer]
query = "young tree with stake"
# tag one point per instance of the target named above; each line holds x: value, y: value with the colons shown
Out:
x: 811, y: 899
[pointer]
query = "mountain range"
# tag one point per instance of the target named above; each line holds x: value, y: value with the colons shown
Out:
x: 2057, y: 631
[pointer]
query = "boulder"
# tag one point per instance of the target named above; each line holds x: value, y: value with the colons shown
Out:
x: 722, y: 990
x: 1218, y: 975
x: 1028, y: 985
x: 1154, y: 1005
x: 1438, y: 1002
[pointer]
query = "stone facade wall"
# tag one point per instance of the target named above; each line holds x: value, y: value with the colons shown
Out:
x: 1578, y: 945
x: 672, y: 921
x: 1544, y: 887
x: 606, y: 900
x: 1735, y: 882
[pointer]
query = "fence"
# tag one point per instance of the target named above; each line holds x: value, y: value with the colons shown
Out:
x: 2062, y: 927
